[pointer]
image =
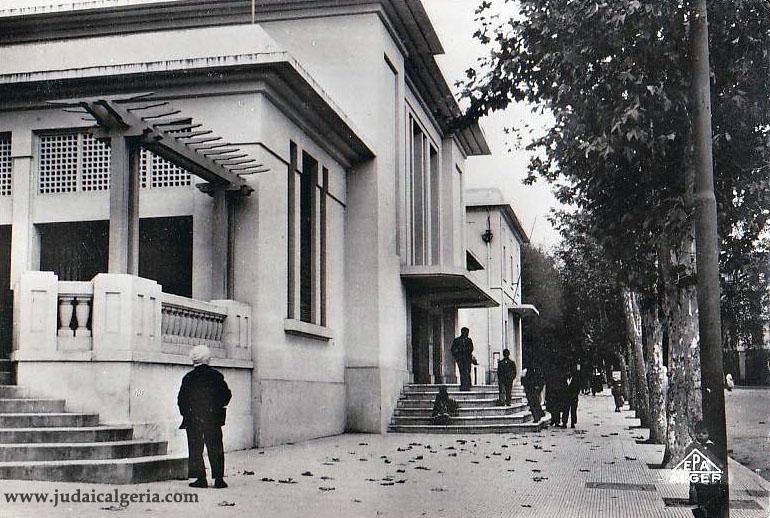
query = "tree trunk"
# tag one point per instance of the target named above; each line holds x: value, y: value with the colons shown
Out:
x: 656, y: 372
x: 633, y: 322
x: 684, y: 398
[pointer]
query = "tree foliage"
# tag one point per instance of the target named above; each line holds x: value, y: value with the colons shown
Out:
x: 616, y: 77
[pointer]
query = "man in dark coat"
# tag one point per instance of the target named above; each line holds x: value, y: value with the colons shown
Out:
x: 462, y: 351
x: 202, y: 400
x: 555, y: 387
x: 506, y: 373
x: 532, y: 380
x: 571, y: 395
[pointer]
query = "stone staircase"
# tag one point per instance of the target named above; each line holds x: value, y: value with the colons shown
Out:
x: 479, y: 411
x: 40, y: 440
x: 6, y: 372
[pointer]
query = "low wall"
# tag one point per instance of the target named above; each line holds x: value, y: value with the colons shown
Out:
x: 293, y: 410
x: 139, y: 394
x: 118, y: 346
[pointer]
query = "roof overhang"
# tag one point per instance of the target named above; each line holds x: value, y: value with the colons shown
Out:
x: 524, y: 310
x: 277, y: 74
x: 407, y: 20
x: 445, y: 286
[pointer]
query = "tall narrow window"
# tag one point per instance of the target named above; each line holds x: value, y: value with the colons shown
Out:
x: 418, y: 194
x: 435, y: 207
x: 307, y: 238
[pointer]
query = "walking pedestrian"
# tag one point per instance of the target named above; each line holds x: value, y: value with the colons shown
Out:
x: 617, y: 394
x: 462, y: 351
x: 202, y: 399
x: 554, y: 395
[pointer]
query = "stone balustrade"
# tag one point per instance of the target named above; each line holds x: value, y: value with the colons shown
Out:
x: 120, y: 317
x: 189, y: 322
x: 74, y: 308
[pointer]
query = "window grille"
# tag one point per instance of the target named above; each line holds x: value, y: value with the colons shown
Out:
x: 157, y: 172
x: 95, y: 175
x: 58, y: 163
x: 71, y: 162
x: 5, y: 164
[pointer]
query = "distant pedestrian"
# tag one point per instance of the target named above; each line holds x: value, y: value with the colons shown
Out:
x: 532, y: 380
x: 571, y: 395
x: 597, y: 382
x: 554, y: 394
x: 462, y: 351
x: 202, y: 400
x: 506, y: 373
x: 729, y: 383
x: 444, y: 407
x: 617, y: 394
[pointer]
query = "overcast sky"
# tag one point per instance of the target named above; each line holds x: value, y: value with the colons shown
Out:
x: 453, y: 20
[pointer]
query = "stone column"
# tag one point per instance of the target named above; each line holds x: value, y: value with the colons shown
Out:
x: 220, y: 245
x: 24, y: 238
x: 124, y: 206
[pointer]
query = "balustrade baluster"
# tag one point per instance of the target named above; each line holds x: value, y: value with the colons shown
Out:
x: 65, y: 316
x: 82, y: 314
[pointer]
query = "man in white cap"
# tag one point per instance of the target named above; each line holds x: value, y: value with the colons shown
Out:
x: 202, y: 400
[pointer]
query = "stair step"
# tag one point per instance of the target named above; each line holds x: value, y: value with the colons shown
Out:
x: 452, y: 389
x: 469, y: 429
x: 459, y: 396
x: 464, y: 411
x: 66, y: 434
x: 519, y: 417
x: 80, y: 451
x: 135, y: 470
x: 466, y: 403
x: 21, y: 420
x: 31, y: 406
x: 11, y: 391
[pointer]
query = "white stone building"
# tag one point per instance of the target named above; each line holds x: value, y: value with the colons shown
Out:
x: 324, y: 281
x: 494, y: 236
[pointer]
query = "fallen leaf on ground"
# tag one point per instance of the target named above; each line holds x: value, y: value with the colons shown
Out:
x: 247, y: 472
x: 287, y: 481
x: 307, y: 474
x: 267, y: 479
x: 324, y: 488
x: 225, y: 503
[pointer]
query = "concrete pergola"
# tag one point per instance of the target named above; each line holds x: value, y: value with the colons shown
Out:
x: 131, y: 123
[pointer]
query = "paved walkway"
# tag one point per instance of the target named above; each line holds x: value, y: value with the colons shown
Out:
x: 544, y: 474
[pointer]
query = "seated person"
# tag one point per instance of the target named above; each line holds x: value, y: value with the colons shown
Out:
x: 444, y: 407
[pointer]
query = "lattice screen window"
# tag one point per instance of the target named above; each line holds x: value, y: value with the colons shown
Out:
x: 58, y: 159
x: 70, y: 162
x: 158, y: 172
x: 5, y: 164
x: 95, y: 171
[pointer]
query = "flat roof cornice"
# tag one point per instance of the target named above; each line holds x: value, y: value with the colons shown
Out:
x: 407, y: 21
x: 285, y: 82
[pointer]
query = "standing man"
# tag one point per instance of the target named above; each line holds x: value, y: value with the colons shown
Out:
x: 202, y: 400
x: 506, y: 373
x: 571, y: 395
x: 532, y: 381
x: 462, y: 351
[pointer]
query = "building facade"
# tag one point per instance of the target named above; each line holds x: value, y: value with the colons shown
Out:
x: 324, y: 280
x: 494, y: 239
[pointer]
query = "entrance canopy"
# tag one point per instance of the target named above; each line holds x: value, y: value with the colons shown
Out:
x: 445, y: 286
x: 525, y: 310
